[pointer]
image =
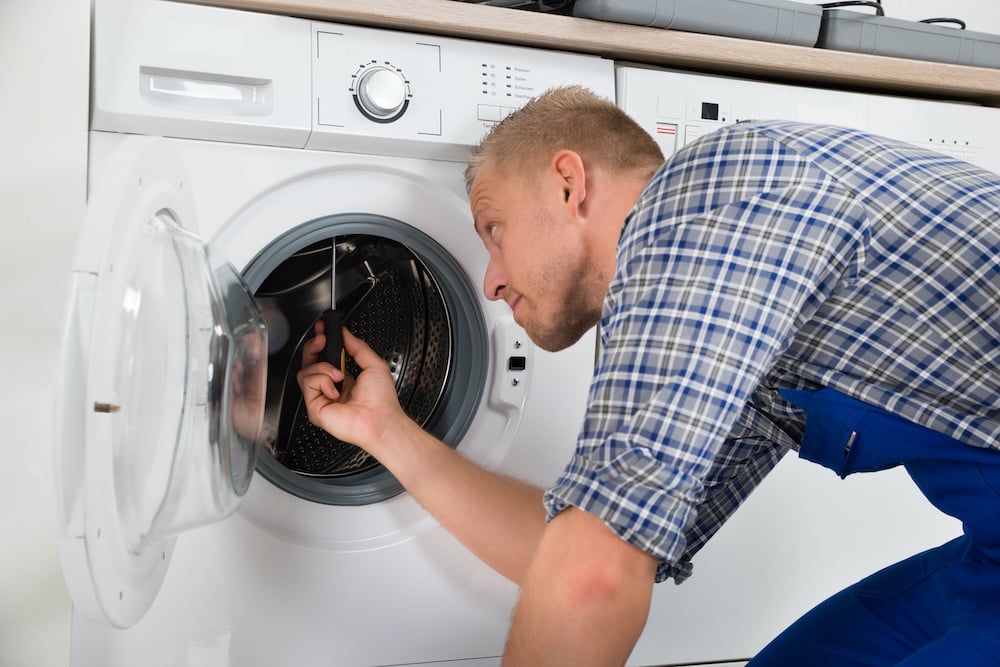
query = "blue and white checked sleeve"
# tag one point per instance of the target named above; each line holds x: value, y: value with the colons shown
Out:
x: 734, y: 244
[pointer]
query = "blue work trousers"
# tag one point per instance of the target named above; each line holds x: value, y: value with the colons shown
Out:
x: 939, y: 608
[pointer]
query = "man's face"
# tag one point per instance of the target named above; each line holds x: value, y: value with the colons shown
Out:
x: 540, y: 261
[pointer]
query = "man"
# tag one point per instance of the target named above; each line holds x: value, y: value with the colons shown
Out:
x: 772, y: 286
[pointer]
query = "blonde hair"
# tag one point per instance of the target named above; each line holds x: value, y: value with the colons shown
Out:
x: 573, y: 118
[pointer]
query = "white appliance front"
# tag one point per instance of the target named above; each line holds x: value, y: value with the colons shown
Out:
x: 804, y: 533
x: 275, y: 142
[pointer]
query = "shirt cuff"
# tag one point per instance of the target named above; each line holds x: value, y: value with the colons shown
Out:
x: 643, y: 503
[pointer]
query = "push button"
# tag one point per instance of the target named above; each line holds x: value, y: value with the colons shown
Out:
x: 666, y: 136
x: 517, y: 363
x: 691, y: 132
x: 489, y: 112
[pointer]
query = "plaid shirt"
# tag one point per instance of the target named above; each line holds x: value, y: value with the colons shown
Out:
x: 775, y: 255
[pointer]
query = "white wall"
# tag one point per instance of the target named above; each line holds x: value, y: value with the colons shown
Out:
x: 44, y: 47
x: 44, y: 52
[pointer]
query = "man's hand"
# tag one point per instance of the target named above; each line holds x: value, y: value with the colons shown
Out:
x: 366, y: 407
x: 498, y: 518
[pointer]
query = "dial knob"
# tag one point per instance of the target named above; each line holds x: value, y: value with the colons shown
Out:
x: 381, y: 93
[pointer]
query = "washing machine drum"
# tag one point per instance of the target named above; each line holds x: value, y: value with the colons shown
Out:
x: 404, y: 295
x: 392, y: 302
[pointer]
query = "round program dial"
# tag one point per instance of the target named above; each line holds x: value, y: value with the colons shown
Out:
x: 381, y: 92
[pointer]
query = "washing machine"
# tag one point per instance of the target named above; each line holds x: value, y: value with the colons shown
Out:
x: 243, y: 167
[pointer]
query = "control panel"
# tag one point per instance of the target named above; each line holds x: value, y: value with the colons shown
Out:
x: 678, y: 107
x: 197, y: 72
x: 396, y: 93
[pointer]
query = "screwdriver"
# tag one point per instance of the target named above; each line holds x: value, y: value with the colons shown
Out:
x: 333, y: 322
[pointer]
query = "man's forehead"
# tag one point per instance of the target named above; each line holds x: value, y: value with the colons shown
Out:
x: 482, y: 192
x: 488, y: 170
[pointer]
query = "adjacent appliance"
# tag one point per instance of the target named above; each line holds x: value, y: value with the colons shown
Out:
x: 804, y: 533
x: 232, y: 156
x: 677, y: 107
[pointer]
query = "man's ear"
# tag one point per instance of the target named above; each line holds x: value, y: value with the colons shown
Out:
x: 567, y: 167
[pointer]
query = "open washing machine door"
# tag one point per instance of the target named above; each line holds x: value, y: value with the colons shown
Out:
x: 161, y: 395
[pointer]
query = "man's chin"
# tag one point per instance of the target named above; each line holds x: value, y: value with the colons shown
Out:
x: 554, y: 340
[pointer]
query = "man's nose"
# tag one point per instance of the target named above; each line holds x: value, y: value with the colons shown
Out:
x: 495, y: 281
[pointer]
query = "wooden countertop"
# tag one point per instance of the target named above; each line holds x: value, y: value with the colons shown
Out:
x: 654, y: 46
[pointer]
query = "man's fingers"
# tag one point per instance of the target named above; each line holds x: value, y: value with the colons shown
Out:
x: 359, y: 350
x: 313, y: 347
x: 320, y: 378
